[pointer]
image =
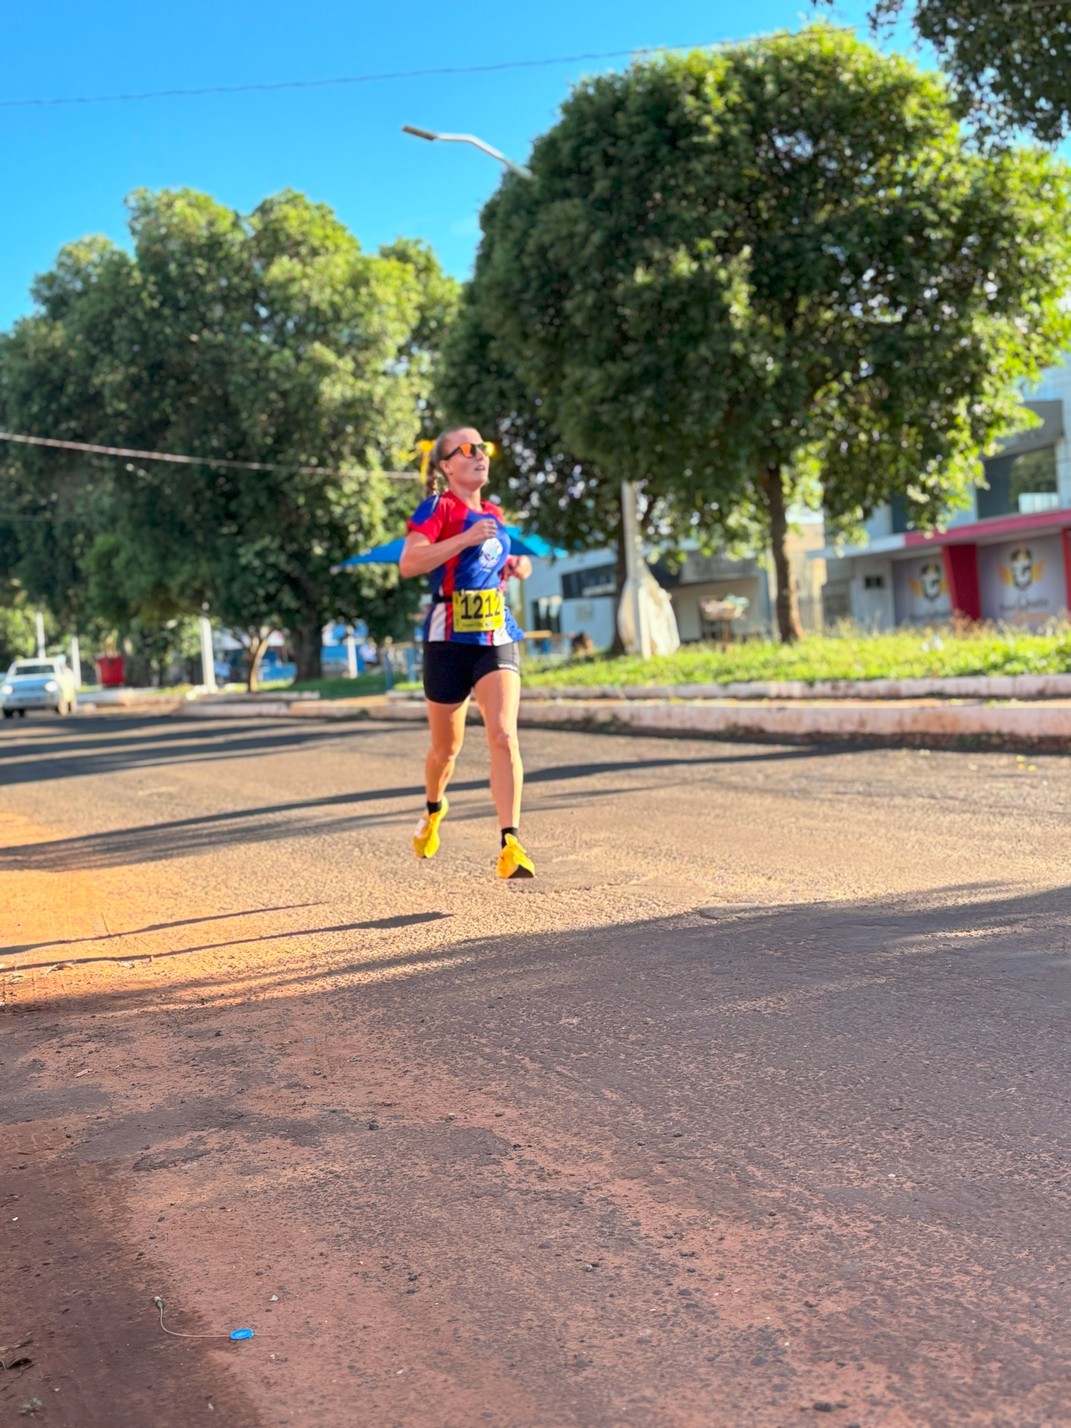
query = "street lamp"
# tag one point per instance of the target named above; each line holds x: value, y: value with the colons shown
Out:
x: 630, y: 525
x: 430, y: 135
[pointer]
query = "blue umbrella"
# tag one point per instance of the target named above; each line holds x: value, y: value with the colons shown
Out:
x: 389, y: 554
x: 521, y: 544
x: 382, y: 555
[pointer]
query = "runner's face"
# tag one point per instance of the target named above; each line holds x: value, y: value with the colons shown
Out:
x: 466, y: 473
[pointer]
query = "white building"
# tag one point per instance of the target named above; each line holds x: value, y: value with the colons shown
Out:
x: 576, y: 594
x: 1007, y: 558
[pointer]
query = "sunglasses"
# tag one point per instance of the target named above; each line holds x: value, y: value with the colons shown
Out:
x: 468, y: 450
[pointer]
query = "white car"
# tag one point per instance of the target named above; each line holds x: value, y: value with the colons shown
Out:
x: 38, y: 684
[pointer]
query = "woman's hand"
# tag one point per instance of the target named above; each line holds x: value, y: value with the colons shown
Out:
x: 421, y: 556
x: 482, y: 530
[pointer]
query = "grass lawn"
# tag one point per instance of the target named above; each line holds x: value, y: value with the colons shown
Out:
x: 339, y: 686
x: 164, y: 691
x: 840, y: 654
x: 899, y: 654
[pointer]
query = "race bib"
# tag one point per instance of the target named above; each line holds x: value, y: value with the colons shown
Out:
x: 476, y: 612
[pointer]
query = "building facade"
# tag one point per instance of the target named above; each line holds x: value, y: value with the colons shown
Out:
x: 575, y: 595
x: 1006, y: 559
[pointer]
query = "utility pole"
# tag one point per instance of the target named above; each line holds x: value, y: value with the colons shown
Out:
x: 634, y: 565
x: 208, y: 659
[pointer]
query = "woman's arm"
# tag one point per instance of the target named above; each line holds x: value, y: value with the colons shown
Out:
x: 518, y: 567
x: 420, y: 555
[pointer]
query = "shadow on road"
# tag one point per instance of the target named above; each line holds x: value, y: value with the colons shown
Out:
x: 155, y: 842
x: 790, y: 949
x: 80, y: 749
x: 91, y: 747
x: 855, y: 1112
x: 405, y: 919
x: 157, y: 927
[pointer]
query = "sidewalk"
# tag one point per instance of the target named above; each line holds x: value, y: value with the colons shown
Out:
x: 975, y: 711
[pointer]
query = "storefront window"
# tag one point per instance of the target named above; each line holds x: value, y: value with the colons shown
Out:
x: 900, y: 520
x: 547, y: 614
x: 1019, y: 484
x: 583, y: 584
x: 836, y: 601
x: 1033, y: 481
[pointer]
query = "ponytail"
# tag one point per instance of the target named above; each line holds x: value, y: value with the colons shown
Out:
x: 434, y: 483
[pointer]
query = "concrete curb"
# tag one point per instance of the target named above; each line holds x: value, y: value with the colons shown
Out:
x: 1044, y: 722
x: 913, y: 723
x: 127, y: 698
x: 943, y: 722
x: 1016, y: 686
x: 281, y: 709
x: 118, y: 707
x: 797, y: 721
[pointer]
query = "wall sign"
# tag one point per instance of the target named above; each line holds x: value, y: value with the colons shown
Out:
x: 1022, y: 581
x: 920, y: 591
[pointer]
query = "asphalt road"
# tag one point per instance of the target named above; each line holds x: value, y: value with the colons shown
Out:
x: 752, y: 1107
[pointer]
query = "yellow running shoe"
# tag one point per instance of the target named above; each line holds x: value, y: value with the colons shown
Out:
x: 426, y: 837
x: 513, y: 861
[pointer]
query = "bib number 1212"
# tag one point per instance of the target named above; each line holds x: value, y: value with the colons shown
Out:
x: 476, y: 612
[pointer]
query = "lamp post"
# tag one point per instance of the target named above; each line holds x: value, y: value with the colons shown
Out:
x: 629, y: 523
x: 431, y: 136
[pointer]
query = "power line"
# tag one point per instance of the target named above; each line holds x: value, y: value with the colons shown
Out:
x: 55, y: 442
x: 345, y: 79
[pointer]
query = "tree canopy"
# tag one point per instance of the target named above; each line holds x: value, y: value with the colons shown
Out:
x: 547, y: 486
x: 1011, y: 62
x: 268, y: 338
x: 774, y: 273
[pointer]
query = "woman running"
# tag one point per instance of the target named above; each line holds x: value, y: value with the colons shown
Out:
x: 470, y: 636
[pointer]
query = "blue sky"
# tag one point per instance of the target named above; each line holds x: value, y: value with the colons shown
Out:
x: 69, y: 166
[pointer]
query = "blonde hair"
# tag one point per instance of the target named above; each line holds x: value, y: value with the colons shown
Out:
x: 435, y: 483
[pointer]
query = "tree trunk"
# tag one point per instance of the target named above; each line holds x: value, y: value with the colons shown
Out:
x: 258, y: 643
x: 788, y: 614
x: 137, y: 672
x: 308, y: 649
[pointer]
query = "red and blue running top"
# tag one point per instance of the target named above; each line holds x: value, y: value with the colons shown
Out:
x: 468, y: 592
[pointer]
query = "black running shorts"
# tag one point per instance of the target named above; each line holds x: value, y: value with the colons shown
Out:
x: 452, y: 669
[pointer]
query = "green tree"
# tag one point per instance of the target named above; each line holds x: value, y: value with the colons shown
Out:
x: 545, y: 485
x: 548, y: 487
x: 270, y: 338
x: 773, y: 274
x: 1010, y: 62
x: 18, y: 633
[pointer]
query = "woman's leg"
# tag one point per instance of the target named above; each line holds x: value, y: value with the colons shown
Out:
x: 499, y: 695
x: 446, y: 723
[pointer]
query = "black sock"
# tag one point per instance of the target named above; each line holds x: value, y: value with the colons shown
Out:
x: 435, y: 807
x: 515, y: 831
